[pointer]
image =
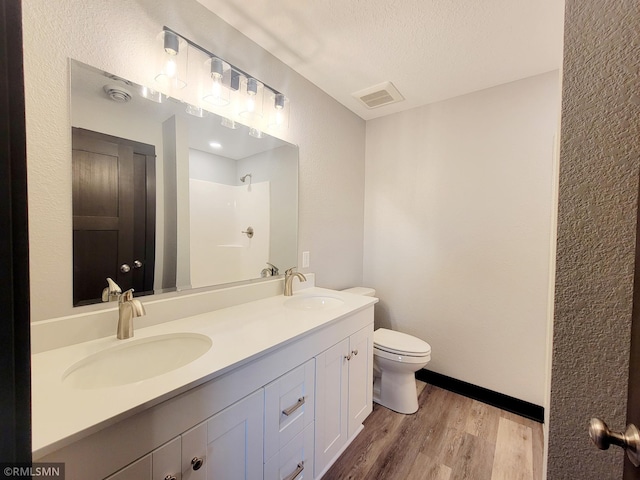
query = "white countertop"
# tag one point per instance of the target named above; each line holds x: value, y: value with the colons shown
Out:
x: 62, y: 414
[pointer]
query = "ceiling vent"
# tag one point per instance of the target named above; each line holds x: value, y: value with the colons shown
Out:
x: 117, y: 93
x: 379, y: 95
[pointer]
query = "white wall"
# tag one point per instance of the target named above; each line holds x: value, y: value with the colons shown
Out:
x: 458, y: 208
x: 212, y: 168
x: 118, y: 36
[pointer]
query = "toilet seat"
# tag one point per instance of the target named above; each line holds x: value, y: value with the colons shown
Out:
x: 398, y: 343
x: 401, y: 357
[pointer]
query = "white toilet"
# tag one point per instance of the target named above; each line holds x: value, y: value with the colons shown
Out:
x: 396, y: 358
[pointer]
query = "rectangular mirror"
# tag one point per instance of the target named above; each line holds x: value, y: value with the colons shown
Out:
x: 167, y: 196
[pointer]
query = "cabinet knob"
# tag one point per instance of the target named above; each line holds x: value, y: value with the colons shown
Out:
x: 170, y: 477
x: 353, y: 352
x: 196, y: 463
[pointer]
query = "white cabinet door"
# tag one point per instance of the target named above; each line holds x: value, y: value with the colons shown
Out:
x: 227, y: 446
x: 138, y: 470
x: 166, y: 461
x: 194, y: 453
x: 332, y: 383
x: 360, y: 378
x: 344, y: 390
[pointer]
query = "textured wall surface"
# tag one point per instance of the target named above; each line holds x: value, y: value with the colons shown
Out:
x: 118, y: 36
x: 458, y: 209
x: 599, y: 159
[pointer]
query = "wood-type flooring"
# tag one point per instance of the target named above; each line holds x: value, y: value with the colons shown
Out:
x: 451, y: 437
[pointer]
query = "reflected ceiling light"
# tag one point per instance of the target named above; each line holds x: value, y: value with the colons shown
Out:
x: 254, y: 132
x: 215, y: 145
x: 195, y: 111
x: 227, y: 122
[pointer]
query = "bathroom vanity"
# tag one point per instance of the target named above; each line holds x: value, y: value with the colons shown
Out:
x: 282, y: 390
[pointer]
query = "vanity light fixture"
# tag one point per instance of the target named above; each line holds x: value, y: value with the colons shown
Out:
x: 173, y: 62
x: 221, y: 85
x: 252, y: 98
x: 279, y: 114
x: 219, y: 92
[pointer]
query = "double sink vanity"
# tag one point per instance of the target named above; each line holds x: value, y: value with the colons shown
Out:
x: 235, y: 382
x: 272, y: 388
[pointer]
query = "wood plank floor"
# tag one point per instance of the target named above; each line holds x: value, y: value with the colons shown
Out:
x: 451, y: 437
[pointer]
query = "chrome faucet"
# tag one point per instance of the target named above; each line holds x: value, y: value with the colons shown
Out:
x: 289, y: 274
x: 128, y: 309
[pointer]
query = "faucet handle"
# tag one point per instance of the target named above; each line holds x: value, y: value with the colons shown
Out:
x: 127, y: 296
x: 289, y: 271
x: 111, y: 292
x: 274, y: 269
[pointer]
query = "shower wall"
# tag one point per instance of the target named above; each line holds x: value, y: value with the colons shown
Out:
x: 219, y: 213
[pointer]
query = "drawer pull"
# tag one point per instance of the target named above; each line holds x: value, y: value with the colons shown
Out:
x: 170, y: 477
x: 296, y: 472
x: 196, y: 463
x: 293, y: 408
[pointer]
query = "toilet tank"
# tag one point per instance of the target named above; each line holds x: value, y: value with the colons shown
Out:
x: 365, y: 291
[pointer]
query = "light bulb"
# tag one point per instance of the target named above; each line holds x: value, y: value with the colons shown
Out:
x: 170, y: 68
x: 173, y: 63
x: 218, y: 93
x: 251, y: 104
x: 278, y: 118
x: 216, y: 87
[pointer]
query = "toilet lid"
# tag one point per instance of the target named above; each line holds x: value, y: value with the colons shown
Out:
x: 401, y: 343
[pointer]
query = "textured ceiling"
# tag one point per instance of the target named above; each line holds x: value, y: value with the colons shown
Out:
x: 429, y: 49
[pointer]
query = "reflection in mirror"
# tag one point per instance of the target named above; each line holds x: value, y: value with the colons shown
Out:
x: 166, y: 199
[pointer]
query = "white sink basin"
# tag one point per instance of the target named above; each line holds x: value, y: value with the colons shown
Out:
x: 136, y: 360
x: 313, y: 302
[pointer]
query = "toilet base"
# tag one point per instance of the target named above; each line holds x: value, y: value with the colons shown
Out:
x: 397, y: 393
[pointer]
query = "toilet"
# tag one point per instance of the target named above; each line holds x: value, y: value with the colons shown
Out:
x: 396, y: 358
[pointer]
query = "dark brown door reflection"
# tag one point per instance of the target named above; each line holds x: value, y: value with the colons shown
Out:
x: 113, y: 215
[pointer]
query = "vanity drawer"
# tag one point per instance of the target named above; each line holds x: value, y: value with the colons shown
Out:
x: 289, y: 407
x: 294, y: 460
